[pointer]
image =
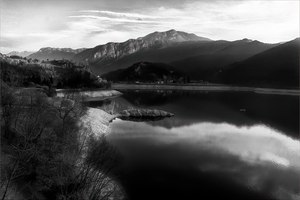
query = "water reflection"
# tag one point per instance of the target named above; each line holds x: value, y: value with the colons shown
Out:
x: 219, y: 145
x: 239, y: 108
x: 254, y: 162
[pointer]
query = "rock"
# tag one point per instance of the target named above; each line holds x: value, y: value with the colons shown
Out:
x: 143, y: 114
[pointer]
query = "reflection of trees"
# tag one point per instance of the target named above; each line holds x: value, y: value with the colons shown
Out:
x: 150, y: 98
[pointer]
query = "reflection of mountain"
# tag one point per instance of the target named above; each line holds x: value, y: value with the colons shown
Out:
x: 241, y: 109
x: 151, y: 98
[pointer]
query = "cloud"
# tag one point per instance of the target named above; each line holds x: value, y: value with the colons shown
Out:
x: 118, y: 14
x: 17, y: 41
x: 76, y: 25
x: 108, y: 19
x: 223, y: 20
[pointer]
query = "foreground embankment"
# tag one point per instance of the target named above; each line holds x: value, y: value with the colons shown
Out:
x: 215, y: 88
x: 98, y: 120
x: 36, y: 127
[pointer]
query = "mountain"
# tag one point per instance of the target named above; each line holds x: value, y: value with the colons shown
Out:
x: 201, y: 60
x: 20, y: 53
x: 55, y: 53
x: 110, y: 52
x: 147, y: 72
x: 276, y: 67
x: 171, y: 36
x: 198, y: 57
x: 208, y: 60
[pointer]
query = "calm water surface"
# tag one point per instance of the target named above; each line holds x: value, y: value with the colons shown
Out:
x: 230, y: 145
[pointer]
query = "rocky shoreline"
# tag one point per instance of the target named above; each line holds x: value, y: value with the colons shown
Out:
x: 98, y: 120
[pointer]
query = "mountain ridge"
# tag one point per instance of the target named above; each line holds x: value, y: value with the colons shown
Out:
x: 275, y: 67
x: 52, y: 53
x: 207, y: 53
x: 20, y: 53
x: 114, y: 50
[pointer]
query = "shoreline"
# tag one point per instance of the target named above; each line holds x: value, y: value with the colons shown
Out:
x: 90, y: 95
x: 98, y: 121
x: 214, y: 88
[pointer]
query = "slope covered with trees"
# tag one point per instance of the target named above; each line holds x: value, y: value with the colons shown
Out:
x: 276, y: 67
x: 147, y: 72
x: 20, y: 72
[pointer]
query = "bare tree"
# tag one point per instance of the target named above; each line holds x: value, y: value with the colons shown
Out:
x: 48, y: 154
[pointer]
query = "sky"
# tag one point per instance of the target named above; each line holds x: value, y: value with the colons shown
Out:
x: 33, y: 24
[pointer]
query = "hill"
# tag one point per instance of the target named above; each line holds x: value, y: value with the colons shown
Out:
x: 20, y: 53
x: 24, y: 72
x: 49, y: 53
x: 147, y: 72
x: 276, y: 67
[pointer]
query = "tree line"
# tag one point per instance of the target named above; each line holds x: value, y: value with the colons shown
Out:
x: 52, y: 74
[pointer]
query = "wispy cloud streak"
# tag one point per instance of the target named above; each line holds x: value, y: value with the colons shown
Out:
x: 118, y: 14
x: 139, y: 20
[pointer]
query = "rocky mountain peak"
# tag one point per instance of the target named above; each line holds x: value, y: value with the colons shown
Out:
x: 247, y: 40
x: 152, y: 40
x: 173, y: 36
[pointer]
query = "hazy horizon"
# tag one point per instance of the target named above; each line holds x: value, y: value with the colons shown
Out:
x: 34, y: 24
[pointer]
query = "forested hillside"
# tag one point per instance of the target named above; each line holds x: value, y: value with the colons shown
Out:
x: 22, y: 72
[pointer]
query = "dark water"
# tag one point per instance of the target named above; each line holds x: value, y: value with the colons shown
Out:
x: 230, y: 145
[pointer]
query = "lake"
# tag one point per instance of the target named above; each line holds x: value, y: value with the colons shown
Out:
x: 219, y: 145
